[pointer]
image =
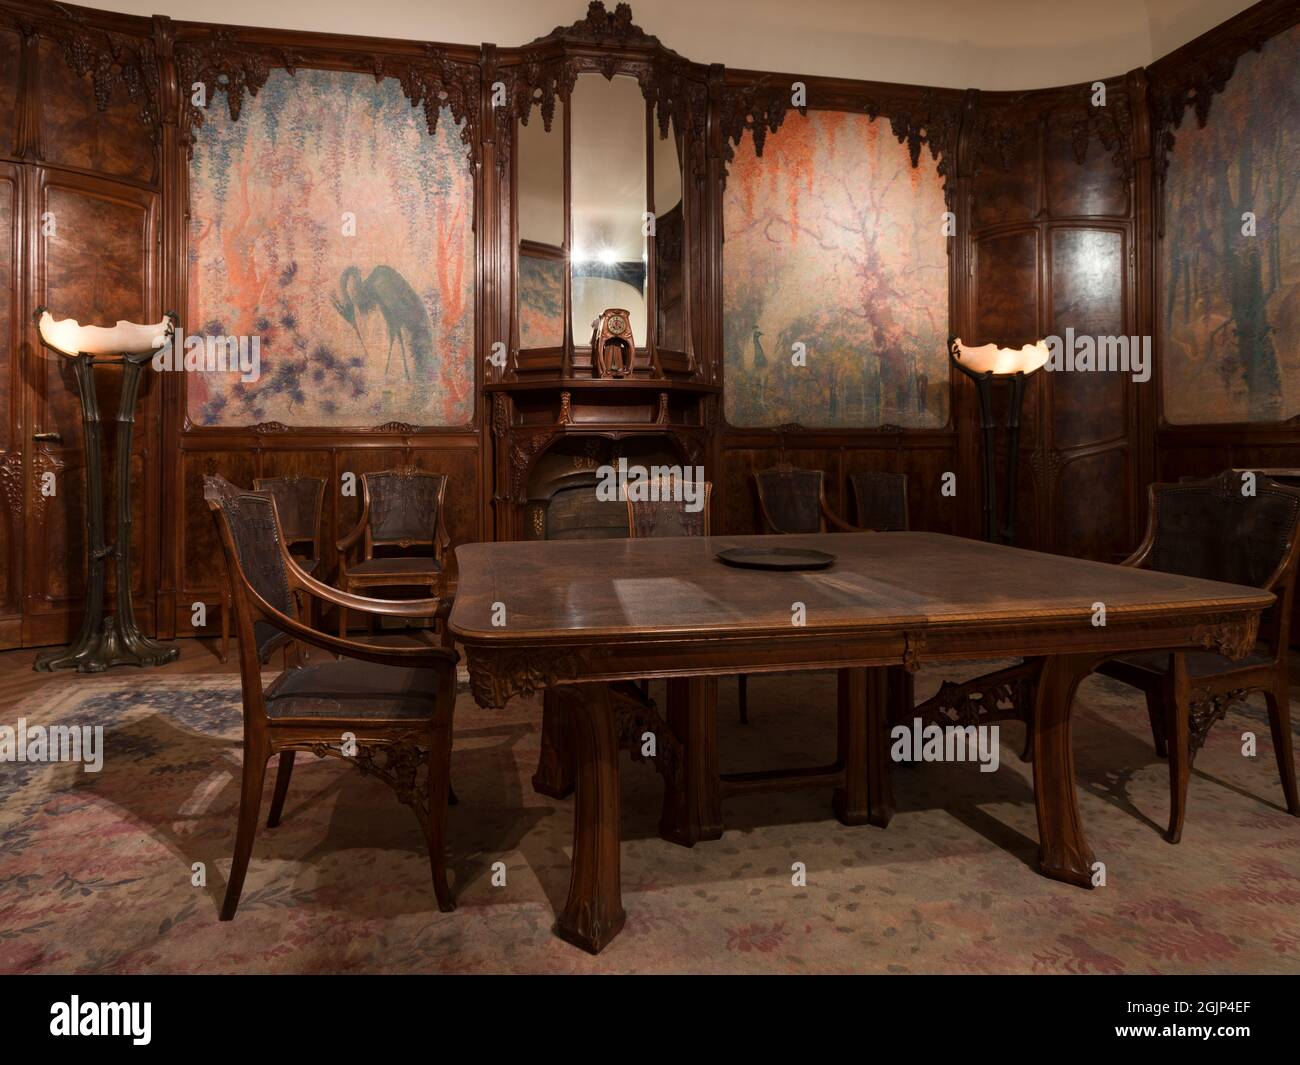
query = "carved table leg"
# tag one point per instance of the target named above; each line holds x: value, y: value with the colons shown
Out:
x: 693, y: 805
x: 1063, y: 852
x: 890, y: 699
x: 593, y: 914
x: 857, y: 690
x: 555, y: 772
x: 1177, y: 737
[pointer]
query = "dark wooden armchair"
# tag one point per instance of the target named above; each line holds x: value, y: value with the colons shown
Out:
x: 299, y: 501
x: 667, y: 517
x: 386, y: 709
x: 1211, y: 529
x: 793, y: 500
x: 880, y: 500
x: 402, y: 508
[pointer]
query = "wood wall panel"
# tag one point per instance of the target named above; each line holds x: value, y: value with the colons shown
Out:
x: 1067, y: 266
x: 11, y: 53
x: 1087, y: 275
x: 113, y: 141
x: 76, y: 216
x: 199, y: 547
x: 11, y: 444
x: 1006, y: 288
x: 1093, y: 188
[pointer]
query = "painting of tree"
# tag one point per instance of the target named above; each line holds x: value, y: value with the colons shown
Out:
x: 1230, y: 255
x: 332, y: 225
x: 834, y: 242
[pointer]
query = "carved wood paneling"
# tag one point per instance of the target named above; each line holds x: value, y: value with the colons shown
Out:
x: 75, y: 278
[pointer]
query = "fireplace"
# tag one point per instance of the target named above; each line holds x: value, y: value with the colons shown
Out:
x: 563, y: 501
x: 551, y: 437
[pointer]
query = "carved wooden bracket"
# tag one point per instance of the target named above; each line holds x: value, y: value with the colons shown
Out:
x: 1004, y: 695
x: 114, y: 62
x: 1192, y: 77
x: 635, y: 715
x: 548, y: 70
x: 1204, y: 710
x: 404, y: 761
x: 913, y: 645
x: 240, y: 69
x: 758, y: 108
x: 1231, y: 635
x: 497, y: 676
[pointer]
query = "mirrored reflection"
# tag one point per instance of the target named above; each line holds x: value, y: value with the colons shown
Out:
x: 670, y: 245
x: 541, y: 180
x: 608, y: 188
x: 541, y: 231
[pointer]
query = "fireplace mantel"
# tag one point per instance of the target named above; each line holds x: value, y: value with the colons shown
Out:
x: 531, y: 416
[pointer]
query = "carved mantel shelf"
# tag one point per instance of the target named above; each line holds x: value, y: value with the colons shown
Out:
x: 576, y: 384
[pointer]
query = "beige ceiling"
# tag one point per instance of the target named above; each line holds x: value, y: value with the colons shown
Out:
x: 987, y: 44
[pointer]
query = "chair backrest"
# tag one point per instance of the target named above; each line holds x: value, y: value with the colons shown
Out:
x: 881, y: 500
x: 1213, y: 529
x: 668, y: 516
x: 252, y: 541
x: 298, y: 501
x: 790, y: 499
x: 404, y: 504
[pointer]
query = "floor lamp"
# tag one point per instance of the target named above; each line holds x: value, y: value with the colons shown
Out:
x: 988, y: 365
x: 113, y: 639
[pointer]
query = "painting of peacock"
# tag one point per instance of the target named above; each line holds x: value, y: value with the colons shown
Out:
x: 404, y: 315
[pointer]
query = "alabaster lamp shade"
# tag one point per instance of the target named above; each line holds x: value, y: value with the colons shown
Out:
x: 125, y: 338
x: 989, y: 358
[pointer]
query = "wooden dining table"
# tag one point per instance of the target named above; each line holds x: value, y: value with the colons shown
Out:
x: 577, y: 616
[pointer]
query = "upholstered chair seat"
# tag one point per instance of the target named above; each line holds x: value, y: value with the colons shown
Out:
x: 351, y: 689
x: 412, y: 566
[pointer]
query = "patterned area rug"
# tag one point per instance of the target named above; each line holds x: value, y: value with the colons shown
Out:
x: 96, y: 869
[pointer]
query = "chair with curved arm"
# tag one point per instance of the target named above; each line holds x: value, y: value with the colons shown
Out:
x: 793, y: 500
x: 1218, y: 529
x: 402, y: 507
x: 298, y: 501
x: 395, y: 703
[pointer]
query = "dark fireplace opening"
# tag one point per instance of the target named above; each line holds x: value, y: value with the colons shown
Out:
x: 563, y: 502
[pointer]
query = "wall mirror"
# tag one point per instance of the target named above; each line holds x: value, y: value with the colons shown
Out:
x: 600, y: 222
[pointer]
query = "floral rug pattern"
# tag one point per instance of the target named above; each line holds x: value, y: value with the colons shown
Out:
x: 96, y: 870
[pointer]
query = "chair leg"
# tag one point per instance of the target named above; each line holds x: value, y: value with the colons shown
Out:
x: 225, y: 625
x: 1156, y: 715
x: 284, y: 770
x: 436, y: 822
x: 1175, y: 697
x: 742, y: 694
x: 1279, y: 723
x: 250, y: 803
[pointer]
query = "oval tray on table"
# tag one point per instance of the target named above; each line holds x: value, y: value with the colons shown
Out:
x: 780, y: 558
